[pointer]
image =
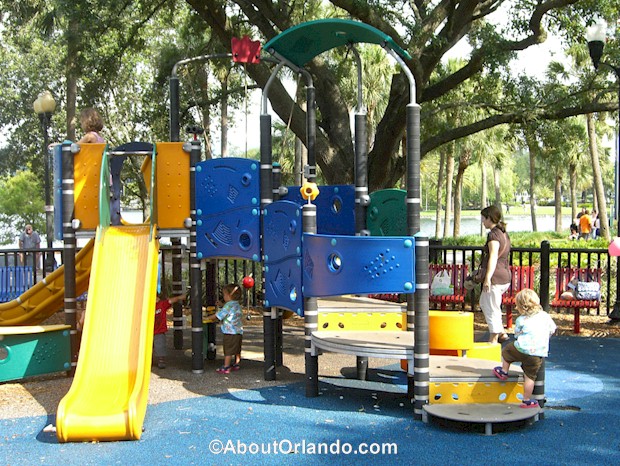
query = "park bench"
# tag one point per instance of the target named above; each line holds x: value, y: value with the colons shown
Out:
x: 458, y: 273
x: 522, y: 276
x: 14, y: 281
x: 563, y: 276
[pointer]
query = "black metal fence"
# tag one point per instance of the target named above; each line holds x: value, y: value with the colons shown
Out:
x: 545, y: 259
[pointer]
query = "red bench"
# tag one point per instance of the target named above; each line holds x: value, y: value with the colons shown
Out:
x: 522, y: 277
x: 458, y: 273
x: 563, y: 276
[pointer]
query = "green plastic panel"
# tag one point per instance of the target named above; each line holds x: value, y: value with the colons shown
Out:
x: 302, y: 43
x: 387, y: 213
x: 27, y: 354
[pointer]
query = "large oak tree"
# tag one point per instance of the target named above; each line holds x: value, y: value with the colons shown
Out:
x: 496, y: 30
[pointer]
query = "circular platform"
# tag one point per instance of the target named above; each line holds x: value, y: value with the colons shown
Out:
x: 483, y: 413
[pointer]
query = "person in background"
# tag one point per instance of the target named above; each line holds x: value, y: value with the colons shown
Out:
x: 585, y: 225
x: 92, y: 124
x: 497, y: 277
x: 29, y: 239
x: 532, y: 331
x: 574, y: 232
x: 596, y: 225
x: 230, y: 317
x: 579, y: 215
x: 161, y: 327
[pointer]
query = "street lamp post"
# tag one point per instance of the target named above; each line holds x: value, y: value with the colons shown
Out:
x: 44, y: 106
x: 595, y: 36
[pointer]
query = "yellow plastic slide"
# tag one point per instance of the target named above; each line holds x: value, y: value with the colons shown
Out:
x: 47, y: 296
x: 108, y: 397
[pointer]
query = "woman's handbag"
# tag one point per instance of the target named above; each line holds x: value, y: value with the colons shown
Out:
x: 478, y: 276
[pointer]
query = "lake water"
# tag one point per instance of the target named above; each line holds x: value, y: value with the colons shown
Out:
x: 471, y: 225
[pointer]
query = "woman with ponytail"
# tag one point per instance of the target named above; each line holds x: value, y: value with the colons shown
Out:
x: 497, y: 278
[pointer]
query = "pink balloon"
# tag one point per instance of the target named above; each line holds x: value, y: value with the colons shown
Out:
x: 614, y: 247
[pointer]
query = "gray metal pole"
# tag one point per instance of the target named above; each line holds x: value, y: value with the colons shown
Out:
x: 311, y: 314
x: 69, y: 248
x: 194, y: 266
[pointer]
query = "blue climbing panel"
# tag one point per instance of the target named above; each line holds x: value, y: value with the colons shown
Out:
x: 336, y: 265
x: 282, y: 256
x: 335, y: 208
x: 228, y: 208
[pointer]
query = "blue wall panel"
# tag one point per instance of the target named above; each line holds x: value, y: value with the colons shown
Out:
x: 228, y: 208
x: 335, y: 208
x: 335, y: 265
x: 283, y: 285
x: 282, y: 255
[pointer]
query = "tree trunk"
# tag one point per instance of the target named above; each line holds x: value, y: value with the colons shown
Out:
x: 496, y: 184
x: 532, y: 146
x: 224, y: 118
x: 598, y: 178
x: 557, y: 194
x: 484, y: 196
x: 205, y: 110
x: 449, y: 195
x: 458, y: 191
x: 572, y: 169
x: 532, y: 190
x: 438, y: 197
x: 301, y: 153
x: 72, y: 77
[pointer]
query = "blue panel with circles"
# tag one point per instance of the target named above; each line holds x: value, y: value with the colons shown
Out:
x: 336, y: 265
x: 283, y: 286
x: 228, y: 208
x: 335, y: 208
x: 282, y: 223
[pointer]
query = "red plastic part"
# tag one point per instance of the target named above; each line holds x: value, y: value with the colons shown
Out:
x: 248, y: 282
x: 245, y: 50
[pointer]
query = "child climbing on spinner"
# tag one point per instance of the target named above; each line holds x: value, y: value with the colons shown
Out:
x: 232, y: 328
x: 161, y: 327
x: 532, y: 331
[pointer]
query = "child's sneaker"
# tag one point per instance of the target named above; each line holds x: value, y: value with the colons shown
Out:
x: 529, y: 404
x: 235, y: 367
x: 500, y: 374
x: 223, y: 370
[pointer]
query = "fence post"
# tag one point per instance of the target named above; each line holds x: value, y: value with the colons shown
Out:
x: 545, y: 251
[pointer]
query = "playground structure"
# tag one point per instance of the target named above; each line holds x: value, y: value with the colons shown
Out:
x: 314, y: 249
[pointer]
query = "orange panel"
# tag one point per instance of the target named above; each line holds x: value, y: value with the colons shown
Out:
x: 172, y: 185
x: 87, y: 168
x: 450, y: 330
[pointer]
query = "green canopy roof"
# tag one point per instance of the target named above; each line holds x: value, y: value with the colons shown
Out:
x: 302, y: 43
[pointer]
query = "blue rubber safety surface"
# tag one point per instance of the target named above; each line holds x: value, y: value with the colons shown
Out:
x: 351, y: 425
